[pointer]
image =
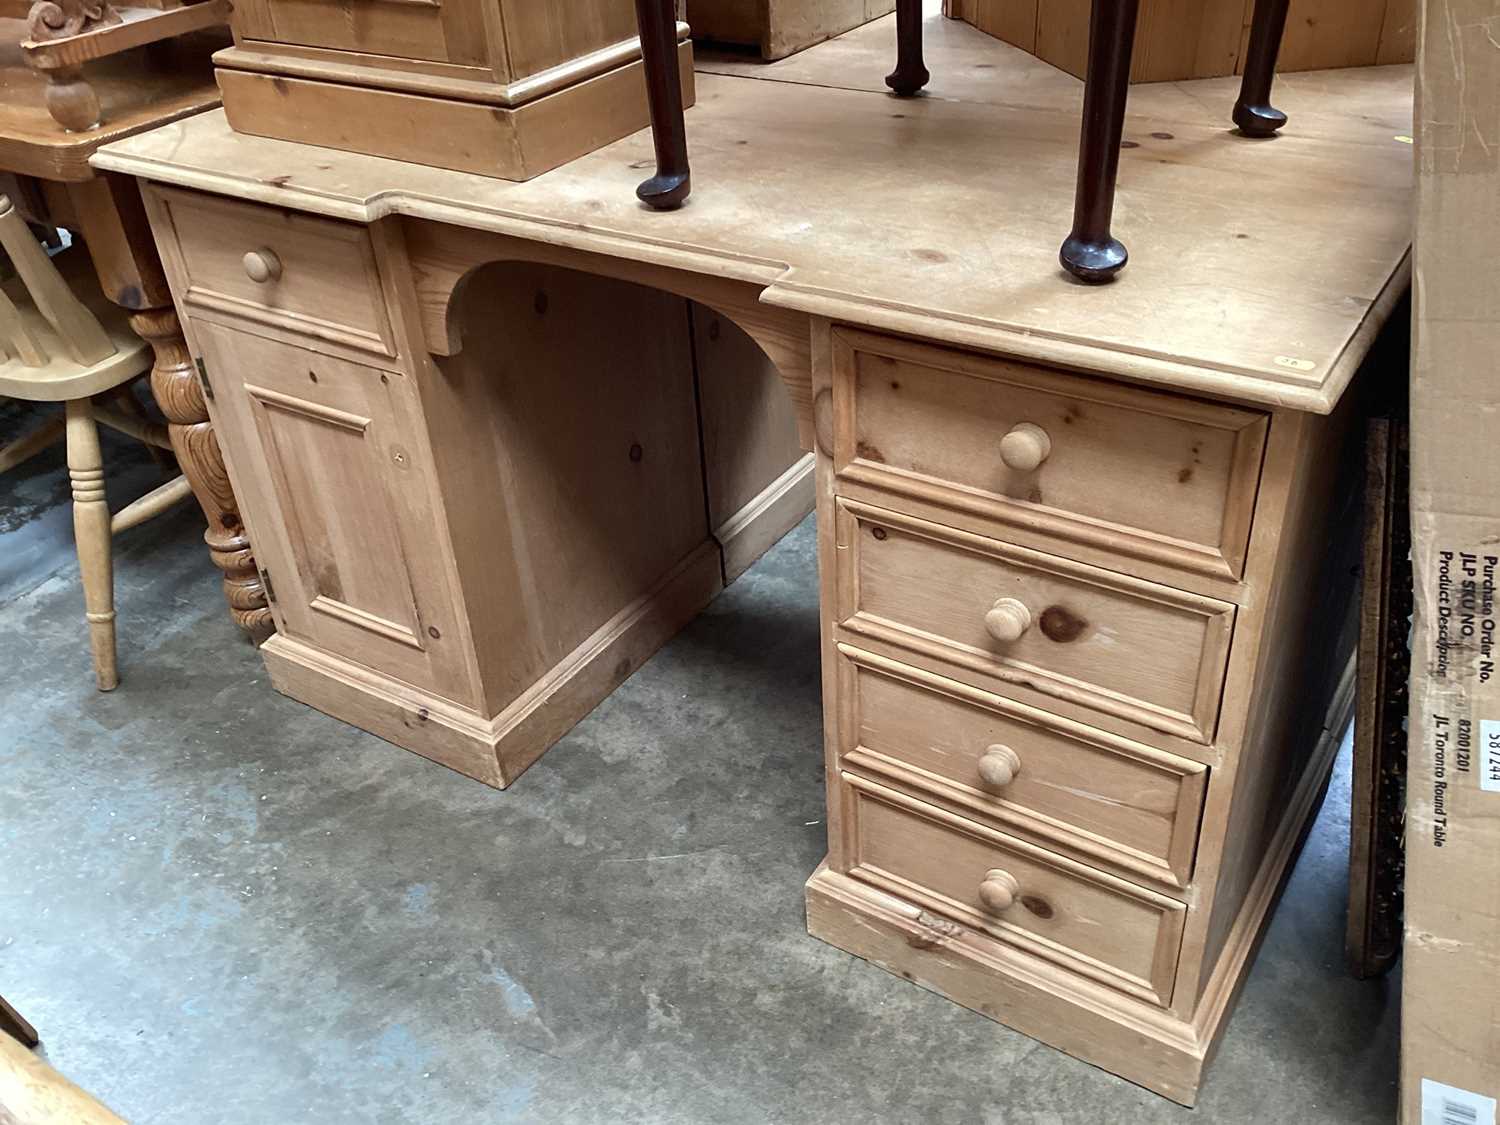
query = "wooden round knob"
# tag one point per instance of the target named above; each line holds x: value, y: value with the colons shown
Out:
x: 1025, y: 447
x: 1008, y: 620
x: 999, y: 891
x: 999, y: 766
x: 262, y: 266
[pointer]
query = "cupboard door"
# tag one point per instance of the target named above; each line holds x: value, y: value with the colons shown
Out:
x: 329, y: 462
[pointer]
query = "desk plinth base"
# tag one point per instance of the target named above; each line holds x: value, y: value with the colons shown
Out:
x: 1149, y: 1046
x: 498, y: 749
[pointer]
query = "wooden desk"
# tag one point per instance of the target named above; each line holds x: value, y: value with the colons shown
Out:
x: 138, y: 90
x: 1077, y: 716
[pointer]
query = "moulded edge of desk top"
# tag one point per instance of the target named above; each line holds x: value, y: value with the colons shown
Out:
x: 781, y: 287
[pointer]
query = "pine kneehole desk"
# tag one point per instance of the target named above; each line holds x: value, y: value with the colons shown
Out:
x: 1085, y: 553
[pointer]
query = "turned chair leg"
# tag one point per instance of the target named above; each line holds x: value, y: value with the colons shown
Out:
x: 1254, y: 113
x: 1090, y: 252
x: 669, y: 188
x: 910, y: 74
x: 91, y: 530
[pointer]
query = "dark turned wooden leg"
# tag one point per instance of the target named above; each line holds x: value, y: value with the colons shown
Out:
x: 1091, y: 253
x: 1254, y: 113
x: 910, y: 74
x: 669, y: 188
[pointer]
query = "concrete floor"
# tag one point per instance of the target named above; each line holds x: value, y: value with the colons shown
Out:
x: 220, y: 906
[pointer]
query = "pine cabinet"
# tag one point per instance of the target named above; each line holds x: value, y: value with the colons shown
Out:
x: 506, y: 88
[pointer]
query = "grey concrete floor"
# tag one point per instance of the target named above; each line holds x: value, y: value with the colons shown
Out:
x: 220, y: 906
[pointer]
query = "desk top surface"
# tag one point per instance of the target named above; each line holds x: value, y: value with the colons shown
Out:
x: 1260, y: 269
x: 138, y: 90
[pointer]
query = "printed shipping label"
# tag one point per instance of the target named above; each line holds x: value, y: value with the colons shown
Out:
x: 1489, y: 755
x: 1448, y: 1105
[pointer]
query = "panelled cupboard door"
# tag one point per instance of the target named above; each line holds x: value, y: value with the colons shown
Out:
x: 326, y: 462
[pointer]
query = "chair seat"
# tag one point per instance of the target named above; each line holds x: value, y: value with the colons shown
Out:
x: 61, y: 378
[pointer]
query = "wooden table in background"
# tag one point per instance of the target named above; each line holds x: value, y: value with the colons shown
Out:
x: 48, y: 170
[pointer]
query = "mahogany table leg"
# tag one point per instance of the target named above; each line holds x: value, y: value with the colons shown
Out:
x: 113, y: 222
x: 1254, y: 113
x: 669, y: 188
x: 910, y: 74
x: 1090, y: 252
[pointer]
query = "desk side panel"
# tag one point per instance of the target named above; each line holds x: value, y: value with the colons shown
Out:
x: 565, y: 439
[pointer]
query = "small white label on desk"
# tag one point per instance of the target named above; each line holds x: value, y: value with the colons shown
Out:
x: 1448, y: 1105
x: 1489, y: 755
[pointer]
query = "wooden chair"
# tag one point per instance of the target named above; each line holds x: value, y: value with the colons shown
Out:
x: 1090, y: 252
x: 54, y: 348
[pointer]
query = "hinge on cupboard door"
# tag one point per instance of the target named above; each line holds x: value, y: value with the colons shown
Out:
x: 208, y: 388
x: 265, y: 580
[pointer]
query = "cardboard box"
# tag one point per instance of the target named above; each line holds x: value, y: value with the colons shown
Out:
x: 1450, y: 1072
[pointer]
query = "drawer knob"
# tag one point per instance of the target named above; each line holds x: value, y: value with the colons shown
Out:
x: 999, y: 891
x: 262, y: 266
x: 1025, y: 447
x: 1008, y: 620
x: 999, y: 766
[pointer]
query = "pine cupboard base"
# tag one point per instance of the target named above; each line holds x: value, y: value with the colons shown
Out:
x: 1084, y: 556
x: 273, y: 96
x: 497, y: 749
x: 507, y: 88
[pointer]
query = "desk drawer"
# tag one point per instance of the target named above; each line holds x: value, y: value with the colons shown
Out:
x: 1033, y: 621
x: 1098, y: 926
x: 1143, y: 473
x: 1106, y: 799
x: 315, y: 277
